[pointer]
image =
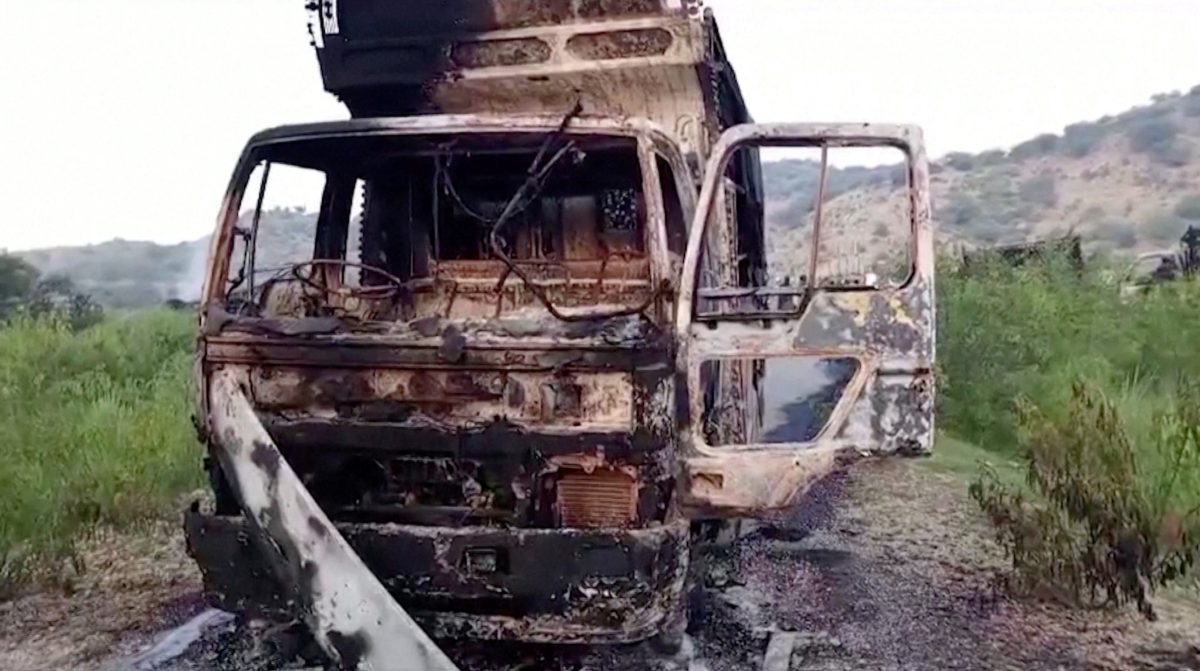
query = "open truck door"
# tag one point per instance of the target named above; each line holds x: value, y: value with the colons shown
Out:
x: 786, y: 371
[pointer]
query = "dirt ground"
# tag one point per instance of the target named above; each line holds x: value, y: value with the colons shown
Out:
x: 130, y: 588
x: 885, y: 567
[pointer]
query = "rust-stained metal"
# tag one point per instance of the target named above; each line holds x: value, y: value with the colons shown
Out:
x: 348, y: 610
x: 635, y: 43
x: 887, y: 407
x: 604, y: 498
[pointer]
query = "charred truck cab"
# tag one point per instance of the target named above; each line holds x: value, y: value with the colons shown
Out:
x: 512, y: 351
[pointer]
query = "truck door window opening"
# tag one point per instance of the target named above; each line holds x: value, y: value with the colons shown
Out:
x: 823, y: 220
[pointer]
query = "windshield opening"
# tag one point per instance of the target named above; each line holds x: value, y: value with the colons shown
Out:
x: 399, y: 228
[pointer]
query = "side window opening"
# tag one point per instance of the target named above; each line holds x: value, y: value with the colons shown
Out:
x: 833, y: 218
x: 275, y: 230
x: 673, y: 210
x: 354, y: 238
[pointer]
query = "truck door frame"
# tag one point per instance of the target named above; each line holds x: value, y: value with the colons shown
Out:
x: 889, y: 331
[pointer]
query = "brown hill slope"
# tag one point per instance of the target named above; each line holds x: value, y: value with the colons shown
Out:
x: 1126, y: 183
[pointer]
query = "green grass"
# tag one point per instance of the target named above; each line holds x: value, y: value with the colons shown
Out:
x: 1085, y: 409
x: 963, y: 460
x: 1030, y: 333
x: 94, y: 429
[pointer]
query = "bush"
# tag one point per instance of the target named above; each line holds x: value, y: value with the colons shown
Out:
x: 960, y: 210
x: 1038, y: 146
x: 1191, y: 103
x: 1112, y: 513
x: 55, y: 297
x: 1188, y: 207
x: 1080, y: 139
x: 1155, y: 137
x: 1165, y: 227
x: 17, y: 279
x: 95, y: 430
x: 1121, y: 233
x: 1040, y: 190
x: 1009, y: 332
x: 991, y: 157
x: 1175, y: 156
x: 960, y: 161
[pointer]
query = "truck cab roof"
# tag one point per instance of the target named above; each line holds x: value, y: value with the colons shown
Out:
x: 459, y: 124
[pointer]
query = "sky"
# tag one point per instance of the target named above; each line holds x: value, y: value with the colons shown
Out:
x: 124, y: 118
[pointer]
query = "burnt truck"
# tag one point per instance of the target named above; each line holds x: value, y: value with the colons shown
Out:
x: 515, y: 350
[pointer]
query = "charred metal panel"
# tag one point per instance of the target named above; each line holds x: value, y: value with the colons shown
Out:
x: 500, y: 53
x: 620, y: 44
x: 600, y: 497
x: 887, y: 406
x: 559, y: 586
x: 619, y: 58
x: 352, y: 616
x: 457, y: 397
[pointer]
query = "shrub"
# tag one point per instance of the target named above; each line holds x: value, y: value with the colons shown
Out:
x: 17, y: 279
x: 95, y: 430
x: 1154, y: 136
x: 1165, y: 227
x: 1005, y: 332
x: 1191, y: 102
x: 1040, y: 190
x: 1112, y: 512
x: 1080, y: 139
x: 1038, y: 146
x: 1188, y: 207
x: 1175, y: 156
x: 960, y: 210
x: 960, y: 161
x: 1120, y: 232
x: 991, y: 157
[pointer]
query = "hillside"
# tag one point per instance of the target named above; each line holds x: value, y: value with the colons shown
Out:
x: 126, y: 274
x: 1127, y: 183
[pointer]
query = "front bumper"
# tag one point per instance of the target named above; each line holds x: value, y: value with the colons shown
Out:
x: 529, y: 585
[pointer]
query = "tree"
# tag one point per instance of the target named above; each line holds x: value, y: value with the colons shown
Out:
x: 56, y: 296
x: 1153, y: 136
x: 961, y: 161
x: 1080, y: 139
x: 1038, y: 146
x: 1188, y: 207
x: 1041, y: 189
x: 17, y: 279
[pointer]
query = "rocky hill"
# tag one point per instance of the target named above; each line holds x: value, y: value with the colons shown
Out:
x: 127, y: 274
x: 1126, y: 183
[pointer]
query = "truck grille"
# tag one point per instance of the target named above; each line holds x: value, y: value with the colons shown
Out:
x: 602, y: 499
